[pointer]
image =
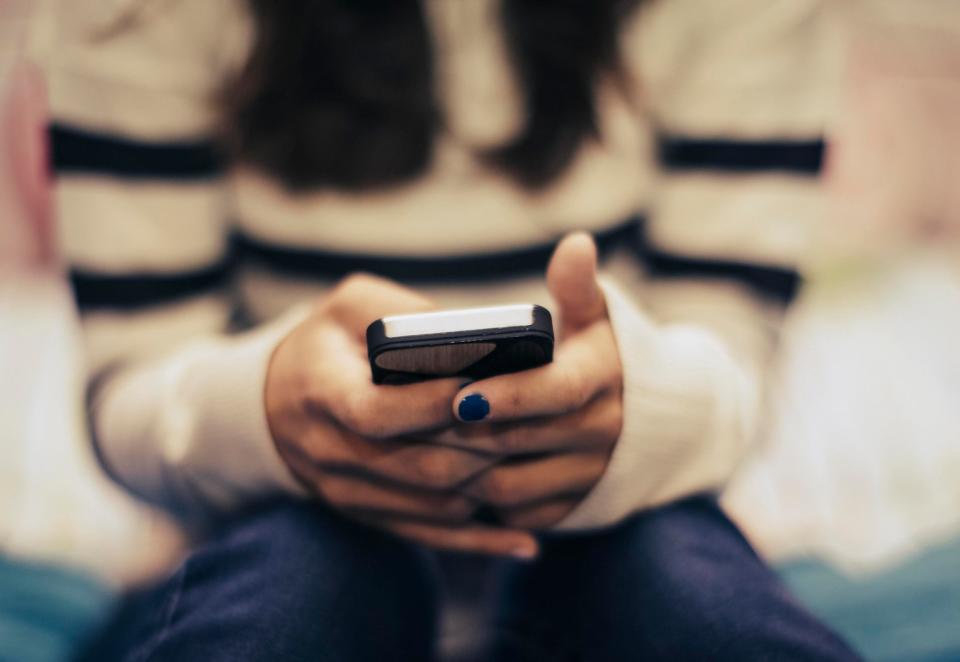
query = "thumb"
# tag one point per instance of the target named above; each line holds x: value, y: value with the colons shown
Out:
x: 572, y: 281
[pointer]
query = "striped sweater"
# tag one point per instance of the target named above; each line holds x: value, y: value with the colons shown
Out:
x: 189, y: 271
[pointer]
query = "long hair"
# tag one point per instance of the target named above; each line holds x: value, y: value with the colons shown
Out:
x: 340, y: 93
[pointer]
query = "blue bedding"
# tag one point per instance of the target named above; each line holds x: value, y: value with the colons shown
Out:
x: 910, y: 613
x: 46, y: 611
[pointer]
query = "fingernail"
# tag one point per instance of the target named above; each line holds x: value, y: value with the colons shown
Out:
x: 474, y: 407
x: 524, y: 552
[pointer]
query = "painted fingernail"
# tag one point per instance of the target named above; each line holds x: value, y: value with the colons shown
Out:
x: 474, y: 407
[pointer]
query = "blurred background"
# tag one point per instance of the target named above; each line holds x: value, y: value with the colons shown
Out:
x: 854, y: 496
x: 856, y: 493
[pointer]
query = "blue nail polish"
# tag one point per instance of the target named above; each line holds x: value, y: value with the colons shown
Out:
x: 474, y: 407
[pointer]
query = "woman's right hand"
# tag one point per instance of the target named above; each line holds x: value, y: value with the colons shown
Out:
x: 346, y: 438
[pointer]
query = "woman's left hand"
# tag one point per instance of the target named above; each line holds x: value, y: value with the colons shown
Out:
x: 556, y: 425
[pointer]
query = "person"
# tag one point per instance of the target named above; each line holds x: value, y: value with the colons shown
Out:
x: 243, y: 187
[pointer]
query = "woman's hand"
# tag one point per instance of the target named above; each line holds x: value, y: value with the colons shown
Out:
x: 557, y: 424
x: 339, y: 433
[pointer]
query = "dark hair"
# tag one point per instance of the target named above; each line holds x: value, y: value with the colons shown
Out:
x: 339, y: 93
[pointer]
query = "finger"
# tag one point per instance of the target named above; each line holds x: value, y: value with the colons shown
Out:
x: 595, y: 426
x: 583, y: 366
x: 379, y: 412
x: 361, y: 298
x: 539, y: 479
x: 572, y: 281
x: 475, y: 538
x: 343, y: 387
x: 538, y: 516
x: 359, y: 496
x: 395, y: 461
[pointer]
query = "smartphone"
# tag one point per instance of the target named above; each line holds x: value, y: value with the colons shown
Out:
x: 470, y: 342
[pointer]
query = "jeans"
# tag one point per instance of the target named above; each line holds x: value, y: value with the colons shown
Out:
x: 298, y: 582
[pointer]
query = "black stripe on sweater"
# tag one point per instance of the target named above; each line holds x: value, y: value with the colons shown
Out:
x: 79, y: 151
x: 128, y: 291
x: 310, y: 263
x: 778, y: 284
x: 95, y: 291
x: 801, y: 157
x: 774, y: 283
x: 98, y: 291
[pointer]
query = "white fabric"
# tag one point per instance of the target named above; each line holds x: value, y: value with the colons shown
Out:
x: 115, y: 336
x: 200, y: 414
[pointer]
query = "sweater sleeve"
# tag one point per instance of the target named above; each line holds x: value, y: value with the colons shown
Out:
x: 176, y: 399
x: 738, y: 93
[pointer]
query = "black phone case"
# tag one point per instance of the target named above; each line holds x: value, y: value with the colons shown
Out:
x: 481, y: 353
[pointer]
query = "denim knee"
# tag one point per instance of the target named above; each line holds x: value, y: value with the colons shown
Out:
x: 688, y: 585
x: 296, y: 581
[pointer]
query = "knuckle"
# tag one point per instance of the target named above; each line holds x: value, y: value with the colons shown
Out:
x: 516, y: 399
x: 519, y: 520
x: 353, y: 283
x: 332, y: 491
x: 536, y: 518
x: 359, y: 415
x: 435, y: 469
x: 497, y: 488
x: 371, y: 428
x: 309, y: 448
x: 540, y: 521
x: 608, y: 424
x: 575, y: 389
x: 313, y: 394
x: 346, y: 294
x: 511, y: 439
x: 456, y: 509
x: 351, y: 418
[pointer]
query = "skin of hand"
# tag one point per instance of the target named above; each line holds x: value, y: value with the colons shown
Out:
x: 556, y: 426
x: 348, y: 440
